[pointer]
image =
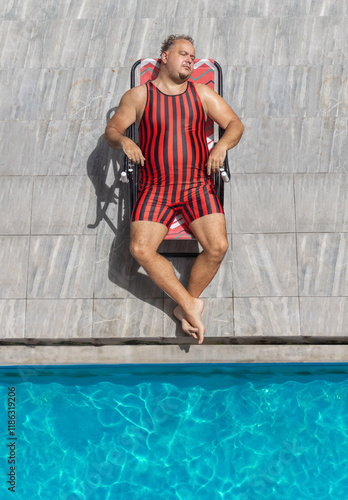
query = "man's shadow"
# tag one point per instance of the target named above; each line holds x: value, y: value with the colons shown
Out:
x: 123, y: 270
x: 102, y: 164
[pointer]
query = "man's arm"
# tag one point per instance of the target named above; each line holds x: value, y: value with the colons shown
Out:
x: 126, y: 114
x: 219, y: 111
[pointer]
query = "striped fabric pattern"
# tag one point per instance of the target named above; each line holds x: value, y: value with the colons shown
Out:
x: 172, y: 139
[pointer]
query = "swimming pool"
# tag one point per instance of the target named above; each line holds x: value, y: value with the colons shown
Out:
x: 184, y: 432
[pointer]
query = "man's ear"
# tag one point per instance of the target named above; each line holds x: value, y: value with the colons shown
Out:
x: 164, y: 57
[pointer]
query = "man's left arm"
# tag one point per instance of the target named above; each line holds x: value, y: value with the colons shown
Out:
x: 219, y: 111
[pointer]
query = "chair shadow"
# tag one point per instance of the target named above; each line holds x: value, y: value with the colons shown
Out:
x: 104, y: 163
x: 123, y: 269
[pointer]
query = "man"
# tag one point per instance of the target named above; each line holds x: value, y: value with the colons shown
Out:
x: 175, y: 169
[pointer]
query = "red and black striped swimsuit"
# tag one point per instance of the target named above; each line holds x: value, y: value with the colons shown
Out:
x: 172, y: 140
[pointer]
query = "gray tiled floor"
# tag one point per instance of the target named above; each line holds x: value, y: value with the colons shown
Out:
x: 66, y: 271
x: 272, y: 207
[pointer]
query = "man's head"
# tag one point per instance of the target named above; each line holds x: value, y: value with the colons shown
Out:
x: 171, y: 39
x: 177, y: 56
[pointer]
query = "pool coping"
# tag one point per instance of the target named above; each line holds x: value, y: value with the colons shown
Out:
x: 15, y: 355
x: 245, y: 340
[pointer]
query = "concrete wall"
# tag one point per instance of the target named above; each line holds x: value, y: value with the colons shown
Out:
x: 65, y: 65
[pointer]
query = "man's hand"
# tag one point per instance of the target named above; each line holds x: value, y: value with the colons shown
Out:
x: 216, y: 159
x: 221, y: 113
x: 129, y: 111
x: 132, y: 151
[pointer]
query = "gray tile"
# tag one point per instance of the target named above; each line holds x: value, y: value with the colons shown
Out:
x: 321, y: 202
x: 20, y: 44
x: 81, y: 93
x: 56, y: 147
x: 135, y: 38
x: 323, y: 264
x: 287, y: 9
x: 20, y: 94
x: 317, y: 40
x: 339, y: 156
x: 14, y: 265
x: 59, y: 319
x: 32, y: 9
x: 217, y: 317
x: 55, y: 87
x: 265, y: 147
x: 73, y: 43
x: 262, y: 203
x: 341, y: 102
x: 160, y: 10
x: 50, y: 9
x: 315, y: 90
x: 61, y: 267
x: 86, y: 9
x: 67, y: 147
x: 12, y: 317
x: 259, y: 91
x: 15, y: 205
x: 117, y: 274
x: 264, y: 265
x: 333, y: 90
x: 319, y: 145
x: 18, y: 147
x: 326, y: 316
x: 244, y: 34
x: 179, y: 9
x: 145, y: 8
x: 62, y: 205
x: 267, y: 316
x: 328, y: 8
x: 127, y: 318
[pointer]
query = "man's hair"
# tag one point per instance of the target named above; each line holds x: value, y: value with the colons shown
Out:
x: 171, y: 39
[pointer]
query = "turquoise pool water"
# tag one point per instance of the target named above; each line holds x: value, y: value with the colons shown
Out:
x: 205, y: 432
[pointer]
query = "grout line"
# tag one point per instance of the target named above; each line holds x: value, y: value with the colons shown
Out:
x: 28, y: 256
x: 297, y: 259
x: 160, y: 341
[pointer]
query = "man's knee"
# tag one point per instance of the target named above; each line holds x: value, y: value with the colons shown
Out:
x: 142, y: 249
x: 145, y: 239
x: 217, y: 250
x: 139, y: 250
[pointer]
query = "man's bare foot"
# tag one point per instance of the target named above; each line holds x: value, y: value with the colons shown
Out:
x: 191, y: 322
x: 185, y: 325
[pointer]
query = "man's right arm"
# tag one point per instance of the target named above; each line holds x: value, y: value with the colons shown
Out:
x: 125, y: 116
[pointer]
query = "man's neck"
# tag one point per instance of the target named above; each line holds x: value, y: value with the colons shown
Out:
x: 169, y: 86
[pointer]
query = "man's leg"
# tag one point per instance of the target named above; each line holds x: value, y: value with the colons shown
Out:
x: 146, y: 236
x: 210, y: 231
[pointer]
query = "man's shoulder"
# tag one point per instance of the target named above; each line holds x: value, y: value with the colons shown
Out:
x: 204, y: 90
x: 135, y: 95
x: 206, y: 95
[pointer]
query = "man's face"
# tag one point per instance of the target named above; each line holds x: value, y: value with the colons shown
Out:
x: 179, y: 59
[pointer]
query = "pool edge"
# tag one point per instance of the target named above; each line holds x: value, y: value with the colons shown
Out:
x: 123, y: 354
